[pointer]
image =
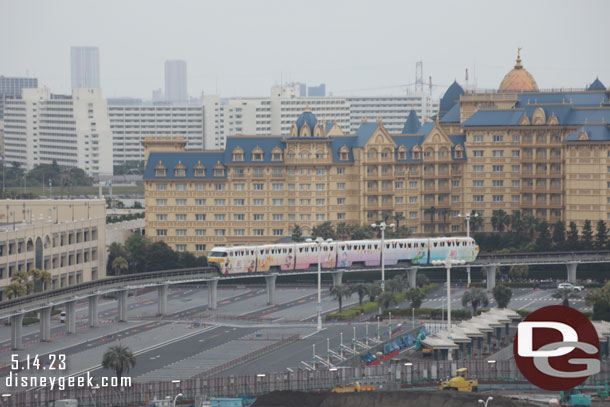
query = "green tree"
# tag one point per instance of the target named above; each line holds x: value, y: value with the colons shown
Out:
x: 559, y: 235
x: 499, y: 220
x: 564, y: 294
x: 386, y: 299
x: 443, y: 213
x: 502, y: 294
x: 120, y: 359
x: 518, y: 271
x: 374, y: 289
x: 543, y: 241
x: 14, y: 290
x: 342, y: 231
x: 394, y: 285
x: 586, y: 237
x: 386, y: 216
x: 23, y: 278
x: 601, y: 311
x: 421, y: 280
x: 476, y: 221
x: 297, y: 234
x: 161, y: 257
x: 40, y: 278
x: 338, y: 292
x: 416, y: 296
x: 601, y: 294
x: 572, y: 242
x: 138, y: 248
x: 601, y: 235
x: 398, y: 216
x: 516, y: 222
x: 431, y: 211
x: 324, y: 230
x: 529, y: 226
x: 476, y: 297
x: 119, y: 266
x: 361, y: 290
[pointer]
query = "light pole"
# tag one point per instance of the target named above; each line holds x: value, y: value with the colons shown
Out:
x: 486, y: 401
x: 448, y: 263
x: 382, y: 227
x: 318, y: 243
x: 467, y: 216
x: 176, y: 398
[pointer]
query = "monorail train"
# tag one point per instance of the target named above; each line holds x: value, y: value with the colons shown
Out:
x: 304, y: 256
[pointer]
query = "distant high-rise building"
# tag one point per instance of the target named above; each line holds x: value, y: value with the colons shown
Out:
x: 317, y: 91
x: 11, y: 87
x: 85, y: 63
x: 157, y: 95
x: 175, y: 81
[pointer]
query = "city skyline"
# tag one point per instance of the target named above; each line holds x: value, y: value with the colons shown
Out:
x: 342, y: 55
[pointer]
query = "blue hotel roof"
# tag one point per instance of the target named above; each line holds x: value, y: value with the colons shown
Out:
x: 598, y: 132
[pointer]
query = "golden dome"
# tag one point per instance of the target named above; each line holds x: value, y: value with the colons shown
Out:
x: 519, y: 79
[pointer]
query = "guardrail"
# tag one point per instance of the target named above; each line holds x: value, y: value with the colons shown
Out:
x: 529, y: 255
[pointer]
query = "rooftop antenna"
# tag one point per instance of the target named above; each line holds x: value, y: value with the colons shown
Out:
x: 419, y: 76
x: 466, y: 76
x: 430, y: 84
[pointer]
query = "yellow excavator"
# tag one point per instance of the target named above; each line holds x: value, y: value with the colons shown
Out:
x: 461, y: 382
x: 352, y: 388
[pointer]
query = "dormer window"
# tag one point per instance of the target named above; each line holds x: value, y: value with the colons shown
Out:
x: 199, y: 170
x: 180, y: 170
x: 219, y: 170
x: 276, y: 154
x: 257, y: 154
x: 344, y: 153
x: 238, y: 154
x: 458, y: 153
x: 160, y: 170
x: 416, y: 155
x: 402, y: 153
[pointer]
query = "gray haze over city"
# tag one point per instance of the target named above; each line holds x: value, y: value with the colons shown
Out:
x: 241, y: 48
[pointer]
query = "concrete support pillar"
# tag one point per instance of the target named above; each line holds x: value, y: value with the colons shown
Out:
x: 212, y: 291
x: 71, y: 316
x: 270, y: 280
x: 337, y: 277
x: 93, y: 315
x: 162, y: 299
x: 412, y: 276
x: 45, y: 324
x: 480, y: 345
x: 489, y: 339
x: 491, y: 276
x: 445, y: 354
x: 123, y: 295
x: 470, y: 348
x: 16, y: 332
x: 498, y: 337
x: 435, y: 354
x: 572, y: 266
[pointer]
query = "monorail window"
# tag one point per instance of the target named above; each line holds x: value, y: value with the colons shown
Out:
x: 423, y: 244
x: 218, y: 254
x: 300, y: 250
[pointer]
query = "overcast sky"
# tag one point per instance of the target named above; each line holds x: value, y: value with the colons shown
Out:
x: 241, y: 48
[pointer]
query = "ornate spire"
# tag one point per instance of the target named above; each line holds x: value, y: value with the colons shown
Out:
x: 518, y: 63
x: 307, y: 107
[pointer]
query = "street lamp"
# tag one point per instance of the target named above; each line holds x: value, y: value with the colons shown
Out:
x: 318, y: 243
x: 448, y: 263
x: 486, y: 401
x: 467, y: 216
x: 176, y: 398
x: 382, y: 227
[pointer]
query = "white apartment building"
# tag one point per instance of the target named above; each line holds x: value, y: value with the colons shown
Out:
x: 131, y: 123
x: 41, y: 127
x: 85, y: 67
x: 393, y: 110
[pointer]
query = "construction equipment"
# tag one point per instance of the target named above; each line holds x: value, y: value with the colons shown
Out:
x: 352, y: 388
x: 574, y: 397
x: 602, y: 390
x: 461, y: 382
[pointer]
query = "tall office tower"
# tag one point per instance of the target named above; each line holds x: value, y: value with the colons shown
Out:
x: 11, y: 87
x: 85, y: 63
x: 175, y: 81
x: 317, y: 91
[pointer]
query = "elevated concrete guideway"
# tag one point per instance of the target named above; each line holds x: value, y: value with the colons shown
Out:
x: 15, y: 309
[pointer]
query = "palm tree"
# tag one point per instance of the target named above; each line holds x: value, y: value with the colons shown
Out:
x: 416, y: 296
x: 499, y: 220
x: 529, y: 225
x: 564, y: 294
x: 40, y: 278
x: 120, y: 359
x: 342, y: 231
x: 431, y: 211
x: 338, y: 292
x: 475, y: 296
x: 14, y: 290
x: 476, y: 221
x: 394, y: 285
x: 361, y: 290
x: 23, y: 278
x: 386, y: 299
x: 374, y: 289
x: 398, y: 216
x: 516, y: 223
x: 118, y: 265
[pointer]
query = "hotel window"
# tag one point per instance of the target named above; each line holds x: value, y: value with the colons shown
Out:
x: 161, y: 232
x: 278, y: 216
x: 305, y: 217
x: 200, y: 217
x: 498, y: 183
x: 180, y: 172
x: 219, y: 202
x: 200, y: 247
x: 516, y: 198
x: 305, y: 187
x: 276, y: 157
x: 239, y: 202
x: 238, y: 187
x: 161, y: 217
x: 291, y: 217
x: 180, y: 187
x: 498, y: 168
x: 305, y: 202
x: 258, y: 187
x: 291, y: 202
x: 238, y: 172
x: 180, y: 247
x: 498, y: 198
x: 340, y: 201
x: 278, y: 172
x: 399, y: 200
x: 498, y: 139
x: 516, y: 168
x: 219, y: 217
x: 181, y: 216
x: 278, y: 187
x: 219, y: 232
x: 219, y: 172
x: 413, y: 200
x: 199, y: 171
x: 320, y: 187
x: 160, y: 172
x: 402, y: 155
x: 340, y: 216
x: 200, y: 202
x: 278, y: 232
x: 291, y: 187
x: 258, y: 172
x: 259, y: 232
x: 478, y: 168
x: 340, y: 186
x: 161, y: 202
x: 239, y: 232
x: 319, y: 202
x: 200, y: 232
x: 477, y: 139
x: 257, y: 156
x: 398, y: 185
x: 161, y: 187
x: 455, y: 198
x: 200, y: 187
x: 320, y: 217
x: 180, y: 202
x: 455, y: 184
x: 239, y: 216
x: 498, y: 153
x: 516, y: 139
x: 477, y: 153
x: 320, y: 171
x: 219, y: 187
x: 413, y: 184
x: 258, y: 216
x: 516, y: 153
x: 258, y: 202
x: 340, y: 171
x: 516, y: 183
x: 478, y: 198
x: 278, y: 202
x: 413, y: 215
x: 180, y: 232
